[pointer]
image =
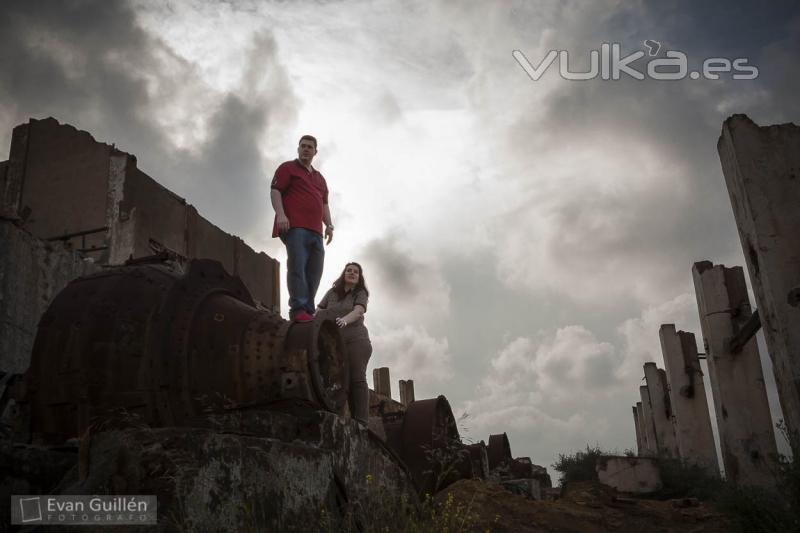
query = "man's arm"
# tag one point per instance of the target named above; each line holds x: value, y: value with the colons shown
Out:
x: 280, y: 215
x: 326, y: 218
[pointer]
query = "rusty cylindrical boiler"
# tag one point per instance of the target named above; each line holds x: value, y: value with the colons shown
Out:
x: 167, y: 347
x: 499, y: 450
x: 426, y: 438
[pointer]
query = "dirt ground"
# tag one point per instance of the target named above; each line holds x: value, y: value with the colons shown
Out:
x: 584, y: 507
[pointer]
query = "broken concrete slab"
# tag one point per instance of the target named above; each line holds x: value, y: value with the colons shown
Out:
x: 634, y: 475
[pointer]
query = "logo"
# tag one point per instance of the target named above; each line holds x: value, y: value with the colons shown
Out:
x: 652, y: 47
x: 80, y: 509
x: 30, y: 510
x: 608, y: 63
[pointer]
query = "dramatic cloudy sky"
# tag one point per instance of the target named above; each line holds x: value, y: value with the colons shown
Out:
x: 523, y: 240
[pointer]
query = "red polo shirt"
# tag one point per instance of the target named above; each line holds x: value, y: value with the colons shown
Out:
x: 304, y: 194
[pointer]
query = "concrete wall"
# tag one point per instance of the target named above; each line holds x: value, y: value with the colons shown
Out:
x: 3, y: 182
x: 32, y: 272
x: 65, y: 182
x: 11, y: 192
x: 205, y: 239
x: 159, y: 215
x: 762, y: 172
x: 636, y: 475
x: 59, y: 180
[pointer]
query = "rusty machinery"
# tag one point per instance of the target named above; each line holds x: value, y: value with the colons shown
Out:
x: 166, y: 347
x: 426, y: 437
x: 501, y: 461
x: 499, y: 450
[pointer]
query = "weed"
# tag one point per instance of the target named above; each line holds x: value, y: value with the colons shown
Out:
x: 578, y: 467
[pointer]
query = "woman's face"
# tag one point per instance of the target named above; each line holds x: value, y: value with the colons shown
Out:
x: 351, y: 274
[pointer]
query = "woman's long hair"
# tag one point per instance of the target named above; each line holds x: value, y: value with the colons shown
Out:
x: 338, y: 285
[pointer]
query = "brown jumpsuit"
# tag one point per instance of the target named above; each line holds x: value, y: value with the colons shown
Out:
x: 358, y: 345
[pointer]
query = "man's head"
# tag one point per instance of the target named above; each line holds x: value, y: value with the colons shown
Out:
x: 307, y: 149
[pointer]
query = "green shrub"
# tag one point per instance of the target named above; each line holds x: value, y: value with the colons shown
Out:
x: 579, y: 466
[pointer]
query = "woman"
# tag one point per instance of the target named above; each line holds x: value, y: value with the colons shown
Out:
x: 348, y: 300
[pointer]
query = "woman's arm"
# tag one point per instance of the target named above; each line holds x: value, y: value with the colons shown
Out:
x: 357, y: 312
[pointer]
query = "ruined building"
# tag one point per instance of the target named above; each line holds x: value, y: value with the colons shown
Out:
x: 762, y: 173
x: 61, y: 187
x: 142, y: 352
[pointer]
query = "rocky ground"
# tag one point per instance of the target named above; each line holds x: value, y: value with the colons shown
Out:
x: 584, y: 507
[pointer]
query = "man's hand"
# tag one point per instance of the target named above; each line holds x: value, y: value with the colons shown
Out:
x: 328, y: 234
x: 283, y: 223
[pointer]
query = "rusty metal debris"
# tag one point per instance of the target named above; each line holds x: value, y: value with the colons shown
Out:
x: 166, y: 347
x: 161, y: 344
x: 499, y: 450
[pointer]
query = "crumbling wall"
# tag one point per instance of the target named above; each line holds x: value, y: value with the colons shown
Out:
x: 70, y: 194
x: 32, y: 272
x: 65, y: 180
x: 61, y: 183
x: 635, y: 475
x: 3, y: 180
x: 155, y: 216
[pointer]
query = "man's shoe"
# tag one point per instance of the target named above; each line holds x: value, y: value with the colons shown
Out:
x: 303, y: 316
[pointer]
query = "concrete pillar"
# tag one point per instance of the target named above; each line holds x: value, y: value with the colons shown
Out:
x: 643, y: 450
x: 661, y: 411
x: 381, y: 382
x: 649, y: 430
x: 737, y: 380
x: 688, y: 398
x: 762, y: 172
x: 639, y: 446
x: 406, y: 391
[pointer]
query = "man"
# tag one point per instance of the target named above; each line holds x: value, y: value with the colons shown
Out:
x: 300, y: 198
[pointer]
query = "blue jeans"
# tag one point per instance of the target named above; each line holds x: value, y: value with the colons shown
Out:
x: 306, y: 255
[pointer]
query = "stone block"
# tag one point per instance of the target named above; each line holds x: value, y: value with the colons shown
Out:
x: 635, y: 475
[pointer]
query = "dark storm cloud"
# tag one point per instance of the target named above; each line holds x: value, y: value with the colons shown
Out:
x: 56, y: 59
x: 609, y: 233
x: 680, y: 213
x: 395, y: 268
x: 89, y: 64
